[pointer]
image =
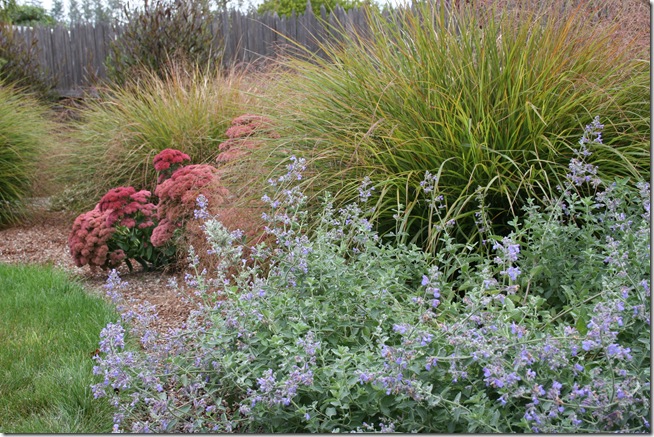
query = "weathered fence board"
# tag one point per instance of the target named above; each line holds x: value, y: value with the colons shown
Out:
x: 75, y: 57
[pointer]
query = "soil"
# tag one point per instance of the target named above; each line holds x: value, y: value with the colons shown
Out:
x: 43, y: 240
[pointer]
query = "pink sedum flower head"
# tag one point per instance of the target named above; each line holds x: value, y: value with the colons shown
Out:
x: 242, y: 135
x: 163, y: 233
x: 88, y: 239
x: 167, y: 161
x: 177, y: 196
x: 124, y: 202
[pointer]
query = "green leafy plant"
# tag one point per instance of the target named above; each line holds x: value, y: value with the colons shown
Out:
x: 30, y: 15
x: 484, y: 102
x: 288, y: 7
x: 23, y: 135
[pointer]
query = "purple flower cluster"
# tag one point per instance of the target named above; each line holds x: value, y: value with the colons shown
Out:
x: 580, y: 171
x: 365, y: 190
x: 432, y: 286
x: 507, y: 254
x: 333, y: 324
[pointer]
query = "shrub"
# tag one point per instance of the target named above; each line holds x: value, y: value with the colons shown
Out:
x: 118, y: 229
x: 495, y: 104
x: 19, y: 63
x: 161, y: 31
x: 122, y: 132
x: 347, y: 333
x: 23, y: 133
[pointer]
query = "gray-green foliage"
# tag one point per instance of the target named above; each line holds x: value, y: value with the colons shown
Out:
x: 346, y: 333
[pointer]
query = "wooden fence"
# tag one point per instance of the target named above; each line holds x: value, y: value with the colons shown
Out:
x: 75, y: 57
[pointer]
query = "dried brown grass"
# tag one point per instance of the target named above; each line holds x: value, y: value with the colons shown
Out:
x: 630, y: 19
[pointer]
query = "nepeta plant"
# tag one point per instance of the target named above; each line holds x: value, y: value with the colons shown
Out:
x: 344, y: 332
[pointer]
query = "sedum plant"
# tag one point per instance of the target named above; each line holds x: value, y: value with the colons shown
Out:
x: 179, y: 187
x: 344, y: 332
x: 117, y: 230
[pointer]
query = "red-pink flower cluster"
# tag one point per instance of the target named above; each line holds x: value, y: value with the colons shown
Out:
x: 123, y: 203
x: 88, y: 241
x: 92, y: 231
x: 167, y: 161
x: 177, y: 198
x: 241, y: 136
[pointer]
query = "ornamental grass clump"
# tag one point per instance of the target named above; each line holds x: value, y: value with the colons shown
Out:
x: 122, y: 131
x: 24, y: 132
x: 477, y: 99
x: 344, y: 332
x: 117, y: 230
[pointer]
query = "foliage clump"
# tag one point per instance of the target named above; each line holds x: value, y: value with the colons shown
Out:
x: 159, y: 32
x: 118, y: 229
x: 299, y: 7
x: 343, y: 332
x: 449, y: 92
x: 24, y: 134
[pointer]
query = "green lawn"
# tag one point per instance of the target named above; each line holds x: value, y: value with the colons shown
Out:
x: 49, y: 328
